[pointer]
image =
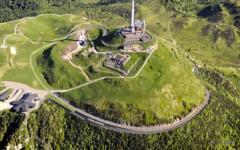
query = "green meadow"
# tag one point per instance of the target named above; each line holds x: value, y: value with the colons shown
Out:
x: 45, y: 28
x: 203, y: 49
x: 32, y: 35
x: 17, y: 67
x: 58, y: 73
x: 209, y: 44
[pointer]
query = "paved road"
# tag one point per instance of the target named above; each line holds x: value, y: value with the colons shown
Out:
x: 109, y: 125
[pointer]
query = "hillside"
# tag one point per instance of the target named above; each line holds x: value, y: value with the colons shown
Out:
x: 198, y: 51
x: 47, y: 37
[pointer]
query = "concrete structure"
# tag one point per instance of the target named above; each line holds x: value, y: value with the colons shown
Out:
x: 20, y: 97
x: 136, y: 25
x: 132, y: 47
x: 136, y: 37
x: 117, y: 62
x: 27, y: 102
x: 4, y: 96
x: 82, y: 38
x: 140, y: 26
x: 12, y: 96
x: 133, y: 17
x: 135, y: 34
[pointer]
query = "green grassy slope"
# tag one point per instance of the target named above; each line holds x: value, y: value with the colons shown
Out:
x: 17, y: 68
x: 154, y: 92
x: 58, y: 73
x: 7, y: 28
x: 29, y: 33
x: 215, y: 44
x: 47, y: 27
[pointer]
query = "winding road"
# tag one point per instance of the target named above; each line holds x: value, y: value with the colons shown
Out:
x: 109, y: 125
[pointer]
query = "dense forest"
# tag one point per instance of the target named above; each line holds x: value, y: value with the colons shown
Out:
x: 15, y: 9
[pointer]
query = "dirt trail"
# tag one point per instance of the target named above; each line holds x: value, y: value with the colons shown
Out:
x: 81, y: 69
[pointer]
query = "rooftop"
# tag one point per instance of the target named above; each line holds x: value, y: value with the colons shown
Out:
x: 27, y: 102
x: 4, y: 96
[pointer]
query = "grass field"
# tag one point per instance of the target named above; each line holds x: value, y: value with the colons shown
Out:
x: 3, y: 60
x: 17, y: 68
x: 31, y: 34
x: 58, y: 73
x: 134, y: 58
x: 204, y: 50
x: 2, y: 88
x: 7, y: 28
x: 47, y: 27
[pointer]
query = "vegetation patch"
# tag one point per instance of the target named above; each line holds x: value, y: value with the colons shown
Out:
x: 210, y: 44
x: 46, y: 27
x: 17, y: 67
x: 113, y: 38
x: 9, y: 123
x: 212, y: 13
x: 55, y: 70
